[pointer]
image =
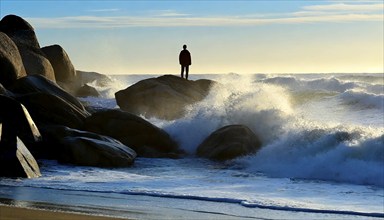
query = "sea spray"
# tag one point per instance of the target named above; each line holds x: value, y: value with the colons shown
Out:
x: 338, y: 154
x: 236, y: 100
x: 107, y: 89
x: 293, y: 145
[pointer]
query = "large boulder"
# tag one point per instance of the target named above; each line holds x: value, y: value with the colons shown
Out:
x: 228, y: 143
x: 15, y: 158
x: 37, y: 83
x: 164, y: 97
x: 11, y: 64
x: 65, y: 73
x: 23, y: 34
x: 85, y: 148
x: 49, y: 109
x: 146, y: 139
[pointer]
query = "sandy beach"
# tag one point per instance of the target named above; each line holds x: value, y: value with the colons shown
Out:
x: 16, y: 213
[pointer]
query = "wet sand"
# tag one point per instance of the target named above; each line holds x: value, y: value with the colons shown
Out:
x: 17, y: 213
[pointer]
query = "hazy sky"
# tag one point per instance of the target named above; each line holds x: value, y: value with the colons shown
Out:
x: 223, y: 36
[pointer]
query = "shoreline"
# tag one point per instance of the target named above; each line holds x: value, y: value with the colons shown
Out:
x: 9, y: 212
x: 45, y: 203
x: 30, y: 203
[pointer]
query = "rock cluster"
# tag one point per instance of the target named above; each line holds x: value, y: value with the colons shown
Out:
x: 40, y: 118
x: 23, y: 35
x: 36, y: 95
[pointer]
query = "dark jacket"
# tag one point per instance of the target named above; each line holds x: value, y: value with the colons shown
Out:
x: 185, y: 58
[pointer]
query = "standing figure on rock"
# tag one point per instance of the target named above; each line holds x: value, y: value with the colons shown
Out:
x: 185, y: 61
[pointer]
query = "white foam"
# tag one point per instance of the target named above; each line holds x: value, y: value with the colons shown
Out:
x: 329, y: 154
x: 362, y: 100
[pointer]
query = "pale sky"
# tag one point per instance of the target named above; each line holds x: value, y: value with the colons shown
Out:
x: 114, y: 37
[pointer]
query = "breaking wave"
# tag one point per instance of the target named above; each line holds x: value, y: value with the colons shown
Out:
x: 341, y: 145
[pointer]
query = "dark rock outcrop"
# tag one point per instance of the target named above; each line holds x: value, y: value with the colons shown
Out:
x: 18, y: 120
x: 92, y: 77
x: 164, y: 97
x: 49, y: 109
x: 36, y: 83
x: 23, y: 35
x: 228, y: 143
x: 85, y: 148
x: 11, y: 64
x: 146, y: 139
x: 65, y: 73
x: 86, y: 91
x: 18, y: 162
x: 15, y: 158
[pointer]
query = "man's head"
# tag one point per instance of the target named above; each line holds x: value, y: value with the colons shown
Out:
x: 185, y: 46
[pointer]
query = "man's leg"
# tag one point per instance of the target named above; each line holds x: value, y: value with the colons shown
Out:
x: 182, y: 72
x: 186, y: 71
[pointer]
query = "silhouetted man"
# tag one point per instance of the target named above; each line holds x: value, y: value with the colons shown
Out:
x: 185, y: 61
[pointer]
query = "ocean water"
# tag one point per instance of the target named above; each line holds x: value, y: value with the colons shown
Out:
x: 322, y: 155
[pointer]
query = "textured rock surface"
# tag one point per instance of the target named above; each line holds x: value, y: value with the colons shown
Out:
x: 146, y: 139
x: 164, y: 97
x: 11, y: 64
x: 48, y: 109
x: 65, y: 73
x: 86, y: 148
x: 36, y: 83
x: 23, y: 35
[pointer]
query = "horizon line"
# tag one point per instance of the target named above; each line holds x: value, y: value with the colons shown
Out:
x: 241, y: 73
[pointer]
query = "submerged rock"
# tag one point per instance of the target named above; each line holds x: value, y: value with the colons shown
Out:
x: 11, y: 64
x: 85, y: 148
x: 23, y: 35
x: 229, y: 142
x: 92, y: 77
x: 146, y: 139
x: 164, y: 97
x: 86, y: 91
